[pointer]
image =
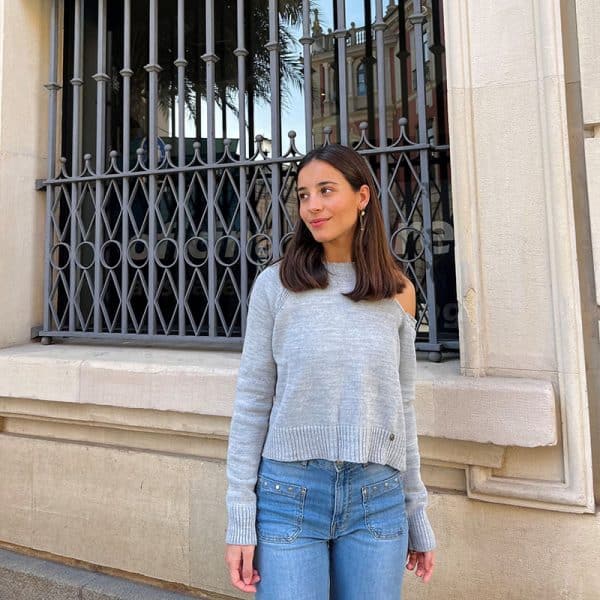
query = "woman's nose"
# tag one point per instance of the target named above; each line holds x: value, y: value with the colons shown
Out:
x: 313, y: 202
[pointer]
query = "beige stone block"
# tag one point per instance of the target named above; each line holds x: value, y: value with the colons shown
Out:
x: 570, y: 43
x: 458, y: 69
x: 118, y: 508
x: 25, y: 50
x: 201, y: 382
x: 588, y: 26
x: 502, y: 42
x: 27, y: 373
x: 443, y: 478
x: 182, y: 380
x: 22, y: 234
x: 503, y: 411
x: 23, y: 115
x: 460, y: 452
x: 495, y: 552
x: 16, y: 490
x: 542, y: 464
x: 208, y: 524
x: 514, y: 262
x: 128, y: 419
x: 130, y: 437
x: 466, y: 232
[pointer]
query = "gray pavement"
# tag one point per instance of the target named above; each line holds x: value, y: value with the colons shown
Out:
x: 29, y: 578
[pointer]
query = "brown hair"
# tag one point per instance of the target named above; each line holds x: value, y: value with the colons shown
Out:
x: 378, y: 275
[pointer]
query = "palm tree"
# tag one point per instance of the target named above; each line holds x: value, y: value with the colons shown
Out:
x: 256, y: 23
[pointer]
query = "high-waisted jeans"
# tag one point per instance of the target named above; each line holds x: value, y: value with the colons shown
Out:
x: 330, y: 531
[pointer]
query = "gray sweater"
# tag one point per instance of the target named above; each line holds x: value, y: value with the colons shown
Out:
x: 322, y: 376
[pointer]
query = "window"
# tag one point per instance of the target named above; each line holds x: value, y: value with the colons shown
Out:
x: 361, y: 80
x: 174, y: 193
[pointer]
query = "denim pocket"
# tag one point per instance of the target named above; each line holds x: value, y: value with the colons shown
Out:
x: 279, y: 509
x: 384, y: 507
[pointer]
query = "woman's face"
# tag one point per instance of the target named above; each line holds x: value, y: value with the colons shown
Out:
x: 329, y: 206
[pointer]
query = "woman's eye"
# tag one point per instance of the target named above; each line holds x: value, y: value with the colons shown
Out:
x: 326, y: 190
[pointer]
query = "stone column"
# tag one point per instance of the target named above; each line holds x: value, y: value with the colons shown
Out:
x: 327, y: 98
x: 24, y: 31
x: 351, y: 79
x: 584, y: 94
x: 516, y: 248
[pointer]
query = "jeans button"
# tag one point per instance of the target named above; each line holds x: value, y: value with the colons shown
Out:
x: 392, y: 437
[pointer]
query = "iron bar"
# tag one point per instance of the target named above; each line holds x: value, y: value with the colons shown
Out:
x: 306, y: 40
x: 52, y: 86
x: 342, y: 95
x: 210, y: 58
x: 379, y: 28
x: 181, y: 64
x: 242, y: 54
x: 153, y: 69
x: 274, y: 47
x: 101, y: 78
x: 126, y: 73
x: 76, y: 83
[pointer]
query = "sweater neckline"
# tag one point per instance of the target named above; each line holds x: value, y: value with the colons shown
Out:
x: 340, y: 266
x: 341, y: 271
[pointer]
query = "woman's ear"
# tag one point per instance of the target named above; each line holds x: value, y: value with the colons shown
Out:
x: 365, y: 196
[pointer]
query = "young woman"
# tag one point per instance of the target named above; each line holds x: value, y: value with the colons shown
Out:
x: 325, y: 497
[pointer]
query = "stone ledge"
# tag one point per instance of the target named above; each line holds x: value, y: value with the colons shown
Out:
x: 506, y: 411
x: 29, y: 578
x: 188, y: 381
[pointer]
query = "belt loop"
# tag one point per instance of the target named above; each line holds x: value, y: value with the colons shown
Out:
x: 304, y: 463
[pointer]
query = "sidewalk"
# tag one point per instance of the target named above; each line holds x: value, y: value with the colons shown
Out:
x: 28, y: 578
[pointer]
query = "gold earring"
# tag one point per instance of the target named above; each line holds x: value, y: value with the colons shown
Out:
x: 362, y: 219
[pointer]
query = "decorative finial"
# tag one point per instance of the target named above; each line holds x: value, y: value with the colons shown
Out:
x: 316, y: 28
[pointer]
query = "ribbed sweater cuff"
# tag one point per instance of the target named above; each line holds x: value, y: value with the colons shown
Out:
x: 420, y: 534
x: 241, y: 527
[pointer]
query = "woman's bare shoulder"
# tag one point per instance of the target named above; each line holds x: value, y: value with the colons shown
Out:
x: 407, y: 298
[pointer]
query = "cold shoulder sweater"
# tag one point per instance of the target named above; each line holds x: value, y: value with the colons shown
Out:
x: 323, y: 376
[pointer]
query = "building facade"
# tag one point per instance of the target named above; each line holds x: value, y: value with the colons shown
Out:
x: 129, y: 269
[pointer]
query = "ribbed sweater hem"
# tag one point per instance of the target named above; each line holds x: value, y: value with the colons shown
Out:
x: 339, y: 442
x: 420, y: 534
x: 241, y: 528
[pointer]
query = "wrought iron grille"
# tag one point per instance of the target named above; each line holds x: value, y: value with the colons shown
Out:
x: 155, y: 236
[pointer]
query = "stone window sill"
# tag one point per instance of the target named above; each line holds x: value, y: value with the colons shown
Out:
x: 498, y: 410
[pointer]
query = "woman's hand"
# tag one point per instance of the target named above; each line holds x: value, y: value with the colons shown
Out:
x: 423, y: 561
x: 239, y: 559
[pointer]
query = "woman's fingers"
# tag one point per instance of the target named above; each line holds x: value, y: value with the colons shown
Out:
x: 423, y: 561
x: 248, y: 571
x: 425, y: 566
x: 241, y: 572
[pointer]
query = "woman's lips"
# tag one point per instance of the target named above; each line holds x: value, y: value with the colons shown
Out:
x: 319, y: 222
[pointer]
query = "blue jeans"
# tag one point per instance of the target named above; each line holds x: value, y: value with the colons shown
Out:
x: 330, y: 531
